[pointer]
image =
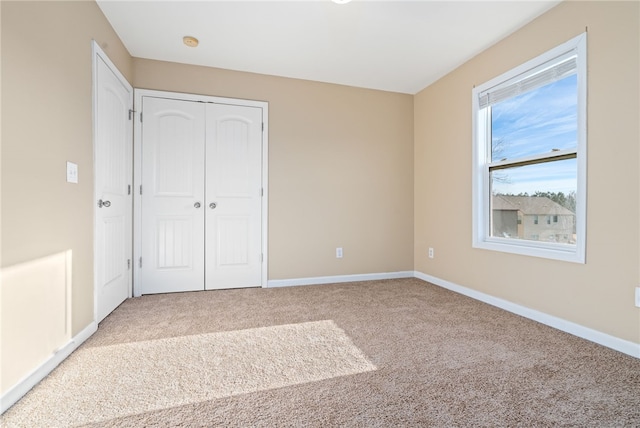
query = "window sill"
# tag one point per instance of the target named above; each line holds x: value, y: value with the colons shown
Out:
x: 561, y: 252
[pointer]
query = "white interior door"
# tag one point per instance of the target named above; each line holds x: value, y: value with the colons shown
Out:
x: 172, y: 200
x: 234, y: 196
x: 201, y: 192
x: 113, y: 150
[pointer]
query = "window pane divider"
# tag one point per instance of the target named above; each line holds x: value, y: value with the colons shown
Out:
x: 534, y: 159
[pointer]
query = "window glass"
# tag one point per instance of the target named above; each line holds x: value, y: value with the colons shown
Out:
x: 537, y: 193
x: 538, y: 121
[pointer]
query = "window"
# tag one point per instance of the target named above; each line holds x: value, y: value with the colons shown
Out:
x: 530, y: 156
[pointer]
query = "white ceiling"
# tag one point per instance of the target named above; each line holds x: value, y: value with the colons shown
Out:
x: 399, y: 46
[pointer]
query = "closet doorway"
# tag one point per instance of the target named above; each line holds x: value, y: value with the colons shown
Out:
x: 201, y: 193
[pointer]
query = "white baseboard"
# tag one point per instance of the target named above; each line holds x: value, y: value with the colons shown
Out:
x: 624, y: 346
x: 338, y: 278
x: 21, y: 388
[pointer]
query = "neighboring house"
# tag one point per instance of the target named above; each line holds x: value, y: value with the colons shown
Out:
x: 533, y: 218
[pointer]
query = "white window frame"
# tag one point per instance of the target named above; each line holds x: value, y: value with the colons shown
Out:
x: 482, y: 159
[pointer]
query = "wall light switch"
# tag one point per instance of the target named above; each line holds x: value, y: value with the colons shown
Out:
x: 72, y: 172
x: 339, y: 252
x: 638, y: 297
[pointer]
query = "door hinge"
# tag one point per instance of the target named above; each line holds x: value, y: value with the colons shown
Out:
x: 262, y: 191
x: 131, y: 111
x: 262, y: 258
x: 141, y: 189
x: 140, y: 262
x: 140, y: 117
x: 263, y: 126
x: 128, y: 189
x: 128, y: 264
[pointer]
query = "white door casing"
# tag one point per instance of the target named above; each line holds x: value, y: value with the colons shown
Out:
x: 234, y: 164
x: 234, y: 193
x: 113, y: 175
x: 172, y: 233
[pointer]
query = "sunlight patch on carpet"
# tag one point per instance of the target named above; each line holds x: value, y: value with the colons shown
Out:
x: 107, y: 382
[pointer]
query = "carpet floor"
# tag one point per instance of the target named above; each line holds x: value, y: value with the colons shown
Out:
x: 368, y: 354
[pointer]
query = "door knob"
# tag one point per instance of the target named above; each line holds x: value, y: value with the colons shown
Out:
x: 197, y: 205
x: 102, y: 203
x: 213, y: 205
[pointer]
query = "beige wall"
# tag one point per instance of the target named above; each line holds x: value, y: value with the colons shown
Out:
x: 340, y: 168
x: 598, y: 294
x: 46, y: 118
x: 348, y: 167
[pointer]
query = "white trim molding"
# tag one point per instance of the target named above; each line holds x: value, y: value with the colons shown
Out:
x: 338, y: 279
x: 621, y: 345
x: 16, y: 392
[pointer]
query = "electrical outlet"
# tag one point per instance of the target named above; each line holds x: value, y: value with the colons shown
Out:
x: 638, y: 297
x: 339, y: 253
x: 430, y: 252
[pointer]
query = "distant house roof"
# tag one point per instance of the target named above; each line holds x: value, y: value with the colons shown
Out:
x: 529, y: 205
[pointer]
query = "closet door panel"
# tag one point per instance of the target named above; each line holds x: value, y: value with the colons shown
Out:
x: 173, y: 149
x: 233, y: 196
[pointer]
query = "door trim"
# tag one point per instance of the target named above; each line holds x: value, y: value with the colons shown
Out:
x: 137, y: 170
x: 98, y: 54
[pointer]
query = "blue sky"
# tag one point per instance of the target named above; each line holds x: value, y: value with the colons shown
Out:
x: 532, y: 123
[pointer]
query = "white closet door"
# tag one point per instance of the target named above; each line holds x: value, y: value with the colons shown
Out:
x: 113, y: 176
x: 172, y: 201
x: 233, y: 196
